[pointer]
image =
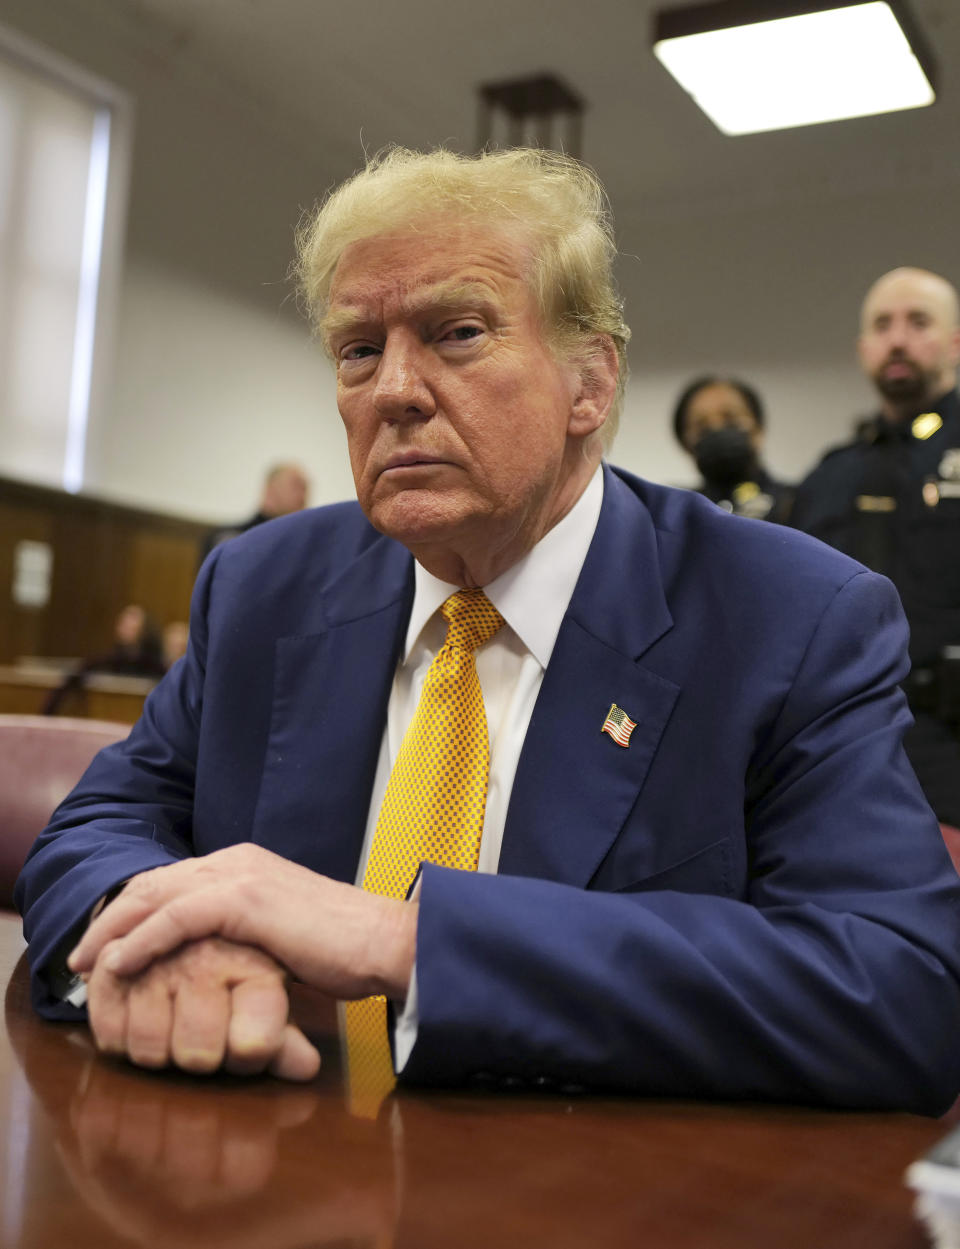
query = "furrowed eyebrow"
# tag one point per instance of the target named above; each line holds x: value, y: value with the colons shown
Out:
x: 339, y: 322
x: 448, y: 297
x: 454, y: 297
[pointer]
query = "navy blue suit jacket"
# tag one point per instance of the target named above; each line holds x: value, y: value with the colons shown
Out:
x: 751, y: 900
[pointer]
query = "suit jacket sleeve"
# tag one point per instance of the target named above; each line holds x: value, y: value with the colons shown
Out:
x: 830, y: 976
x: 131, y: 811
x: 246, y: 738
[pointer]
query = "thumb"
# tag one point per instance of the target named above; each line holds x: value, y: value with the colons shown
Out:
x: 296, y: 1059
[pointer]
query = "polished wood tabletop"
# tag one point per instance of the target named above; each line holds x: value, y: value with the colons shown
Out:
x: 94, y: 1152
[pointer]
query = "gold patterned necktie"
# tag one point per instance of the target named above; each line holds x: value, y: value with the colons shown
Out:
x: 432, y: 810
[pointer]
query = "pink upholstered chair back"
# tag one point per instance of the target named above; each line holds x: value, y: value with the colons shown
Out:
x: 952, y: 837
x: 41, y: 759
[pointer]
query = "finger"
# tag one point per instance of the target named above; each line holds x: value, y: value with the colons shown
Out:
x: 149, y: 1020
x: 187, y: 917
x: 142, y: 895
x: 258, y: 1017
x: 107, y: 1010
x: 297, y: 1059
x: 201, y: 1020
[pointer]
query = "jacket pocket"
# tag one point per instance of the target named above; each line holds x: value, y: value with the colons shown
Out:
x: 707, y: 871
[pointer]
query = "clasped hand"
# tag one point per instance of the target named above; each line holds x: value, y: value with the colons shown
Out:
x: 188, y: 965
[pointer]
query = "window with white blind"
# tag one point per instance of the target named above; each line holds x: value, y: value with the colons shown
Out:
x: 58, y: 225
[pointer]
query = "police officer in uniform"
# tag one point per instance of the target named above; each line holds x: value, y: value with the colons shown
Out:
x: 720, y: 422
x: 891, y: 499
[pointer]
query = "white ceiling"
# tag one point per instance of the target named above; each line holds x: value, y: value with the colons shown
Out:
x: 341, y: 77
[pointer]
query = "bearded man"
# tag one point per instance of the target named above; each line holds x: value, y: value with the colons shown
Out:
x: 891, y: 499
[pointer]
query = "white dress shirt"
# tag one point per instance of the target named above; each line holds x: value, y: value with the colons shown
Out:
x: 532, y: 597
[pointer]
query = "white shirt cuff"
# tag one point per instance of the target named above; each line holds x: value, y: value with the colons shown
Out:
x: 405, y: 1033
x: 408, y: 1019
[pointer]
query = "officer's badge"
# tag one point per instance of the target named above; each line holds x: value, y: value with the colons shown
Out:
x: 750, y: 500
x: 949, y: 468
x: 926, y: 425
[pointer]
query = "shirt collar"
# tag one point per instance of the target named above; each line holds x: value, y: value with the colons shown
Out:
x: 533, y: 595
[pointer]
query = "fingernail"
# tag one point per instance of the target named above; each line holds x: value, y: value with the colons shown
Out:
x: 111, y: 961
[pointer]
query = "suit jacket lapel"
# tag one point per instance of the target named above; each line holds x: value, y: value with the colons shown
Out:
x: 575, y: 786
x: 331, y: 690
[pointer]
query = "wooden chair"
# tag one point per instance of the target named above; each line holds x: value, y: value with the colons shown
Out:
x: 41, y: 759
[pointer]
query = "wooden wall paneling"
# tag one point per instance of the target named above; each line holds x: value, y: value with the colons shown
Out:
x: 21, y: 628
x: 163, y: 567
x: 105, y: 555
x: 91, y: 570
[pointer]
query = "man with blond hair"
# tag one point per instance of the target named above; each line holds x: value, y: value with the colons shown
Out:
x: 592, y: 782
x: 891, y: 499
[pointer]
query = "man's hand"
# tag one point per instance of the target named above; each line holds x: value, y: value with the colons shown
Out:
x: 332, y: 936
x: 209, y: 1004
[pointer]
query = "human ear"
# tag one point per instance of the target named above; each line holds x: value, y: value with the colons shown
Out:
x: 955, y: 347
x: 596, y: 387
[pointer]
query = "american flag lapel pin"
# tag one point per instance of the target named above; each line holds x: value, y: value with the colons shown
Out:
x: 618, y: 725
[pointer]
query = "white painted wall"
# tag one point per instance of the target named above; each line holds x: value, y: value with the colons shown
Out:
x: 210, y: 389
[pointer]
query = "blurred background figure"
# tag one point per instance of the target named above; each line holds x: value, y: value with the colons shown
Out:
x: 137, y: 651
x: 720, y: 423
x: 286, y: 489
x: 891, y: 499
x: 175, y: 637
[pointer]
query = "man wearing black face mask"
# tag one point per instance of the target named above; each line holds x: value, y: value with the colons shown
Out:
x: 719, y: 422
x: 891, y: 499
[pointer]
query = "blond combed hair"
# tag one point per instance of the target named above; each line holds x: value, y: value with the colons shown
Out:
x: 558, y: 205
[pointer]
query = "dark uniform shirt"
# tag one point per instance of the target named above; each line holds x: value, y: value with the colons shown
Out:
x: 891, y: 499
x: 761, y: 497
x: 225, y: 532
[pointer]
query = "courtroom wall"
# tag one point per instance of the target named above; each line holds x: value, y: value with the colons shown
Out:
x: 102, y: 556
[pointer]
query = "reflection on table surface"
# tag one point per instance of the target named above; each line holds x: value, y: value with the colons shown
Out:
x: 95, y: 1152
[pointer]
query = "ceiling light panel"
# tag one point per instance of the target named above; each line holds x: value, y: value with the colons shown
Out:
x: 850, y: 61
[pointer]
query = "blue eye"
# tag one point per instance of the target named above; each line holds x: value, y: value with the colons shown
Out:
x: 464, y: 333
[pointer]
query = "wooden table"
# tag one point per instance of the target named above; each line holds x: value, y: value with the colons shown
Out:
x: 96, y: 1153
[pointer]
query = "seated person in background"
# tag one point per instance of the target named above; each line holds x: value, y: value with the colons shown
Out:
x: 719, y: 422
x: 137, y: 651
x: 891, y: 498
x: 286, y: 489
x: 595, y: 783
x: 176, y: 635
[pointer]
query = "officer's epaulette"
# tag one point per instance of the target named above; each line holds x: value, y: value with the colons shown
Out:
x: 841, y: 446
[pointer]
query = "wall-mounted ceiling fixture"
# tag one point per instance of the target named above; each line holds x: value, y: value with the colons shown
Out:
x: 755, y: 65
x: 523, y: 111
